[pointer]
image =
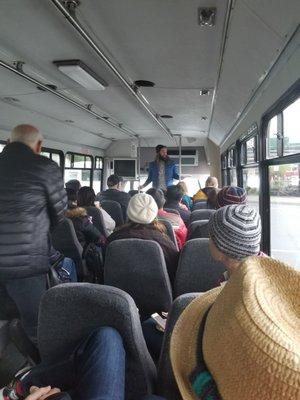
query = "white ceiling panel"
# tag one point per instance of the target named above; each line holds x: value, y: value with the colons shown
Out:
x: 251, y: 49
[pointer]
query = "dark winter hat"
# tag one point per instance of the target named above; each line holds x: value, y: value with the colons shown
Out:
x: 236, y: 230
x: 231, y: 195
x: 159, y: 147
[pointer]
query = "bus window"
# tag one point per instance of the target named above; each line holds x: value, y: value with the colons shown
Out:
x: 2, y: 145
x: 284, y: 211
x: 251, y: 182
x: 291, y: 128
x: 79, y: 166
x: 98, y: 174
x: 54, y: 155
x: 273, y: 132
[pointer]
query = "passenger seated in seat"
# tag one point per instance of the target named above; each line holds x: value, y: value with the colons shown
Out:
x: 235, y: 233
x: 142, y: 212
x: 86, y: 198
x: 211, y: 202
x: 179, y: 227
x: 86, y: 232
x: 173, y: 196
x: 231, y: 195
x: 115, y: 192
x: 186, y: 199
x: 73, y: 184
x: 95, y: 370
x: 211, y: 182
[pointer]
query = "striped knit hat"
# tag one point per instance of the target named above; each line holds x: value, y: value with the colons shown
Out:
x: 231, y: 195
x: 236, y: 230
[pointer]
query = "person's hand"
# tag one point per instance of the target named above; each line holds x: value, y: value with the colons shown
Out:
x: 41, y: 393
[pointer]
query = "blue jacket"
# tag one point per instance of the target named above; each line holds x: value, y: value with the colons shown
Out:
x: 170, y: 173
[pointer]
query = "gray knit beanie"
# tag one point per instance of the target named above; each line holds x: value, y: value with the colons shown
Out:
x: 236, y: 230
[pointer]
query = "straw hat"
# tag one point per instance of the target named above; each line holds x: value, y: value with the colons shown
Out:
x: 251, y: 339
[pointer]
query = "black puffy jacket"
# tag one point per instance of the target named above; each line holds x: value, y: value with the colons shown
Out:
x: 32, y: 197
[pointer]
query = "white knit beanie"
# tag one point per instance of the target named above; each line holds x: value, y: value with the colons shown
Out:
x: 142, y: 208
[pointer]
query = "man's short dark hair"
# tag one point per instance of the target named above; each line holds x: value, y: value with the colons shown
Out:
x: 114, y: 180
x: 158, y: 196
x: 174, y: 193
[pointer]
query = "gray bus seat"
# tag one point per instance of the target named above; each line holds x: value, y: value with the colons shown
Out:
x: 166, y: 384
x: 197, y: 270
x: 200, y: 205
x: 200, y: 215
x: 170, y: 231
x: 198, y: 229
x: 114, y: 209
x: 68, y: 313
x: 138, y: 267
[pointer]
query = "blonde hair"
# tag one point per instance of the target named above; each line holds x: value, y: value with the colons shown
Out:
x: 27, y: 134
x: 182, y: 185
x: 211, y: 181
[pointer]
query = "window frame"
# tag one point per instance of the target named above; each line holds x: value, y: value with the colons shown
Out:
x: 98, y: 169
x: 91, y: 169
x: 283, y: 102
x: 60, y: 153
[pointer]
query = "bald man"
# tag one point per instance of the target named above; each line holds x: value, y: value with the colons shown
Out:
x: 32, y: 199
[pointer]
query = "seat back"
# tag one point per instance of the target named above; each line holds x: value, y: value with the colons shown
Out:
x: 198, y: 229
x: 114, y: 209
x: 172, y: 210
x: 200, y: 205
x: 64, y: 239
x: 199, y: 215
x: 170, y: 231
x: 197, y: 270
x: 166, y: 383
x: 97, y: 219
x: 138, y: 267
x: 69, y: 313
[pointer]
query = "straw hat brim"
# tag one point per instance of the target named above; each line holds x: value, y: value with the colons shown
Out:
x: 183, y: 340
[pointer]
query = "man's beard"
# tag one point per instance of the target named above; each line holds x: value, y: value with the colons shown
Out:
x: 165, y: 158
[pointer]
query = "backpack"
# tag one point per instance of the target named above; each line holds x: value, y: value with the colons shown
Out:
x: 94, y: 261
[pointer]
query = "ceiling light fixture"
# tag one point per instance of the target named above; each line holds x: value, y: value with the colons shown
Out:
x: 166, y: 116
x: 81, y: 73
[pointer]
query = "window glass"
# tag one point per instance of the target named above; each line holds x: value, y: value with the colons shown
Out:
x: 88, y: 162
x: 79, y: 161
x: 98, y: 163
x: 2, y: 147
x: 97, y: 180
x: 233, y: 177
x: 83, y: 176
x: 68, y: 160
x: 251, y: 183
x: 272, y: 137
x: 291, y: 128
x: 231, y: 158
x: 46, y: 154
x: 284, y: 212
x: 251, y: 150
x: 56, y: 158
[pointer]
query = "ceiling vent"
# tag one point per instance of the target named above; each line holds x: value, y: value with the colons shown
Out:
x: 207, y: 16
x: 204, y: 92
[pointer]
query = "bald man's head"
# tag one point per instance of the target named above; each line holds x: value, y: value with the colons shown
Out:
x: 28, y: 135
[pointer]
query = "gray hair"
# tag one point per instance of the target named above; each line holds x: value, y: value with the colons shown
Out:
x: 26, y: 134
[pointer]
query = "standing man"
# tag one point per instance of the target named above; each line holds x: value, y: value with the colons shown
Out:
x: 162, y: 170
x: 32, y: 199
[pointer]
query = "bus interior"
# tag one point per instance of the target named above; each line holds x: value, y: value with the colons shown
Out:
x: 216, y: 82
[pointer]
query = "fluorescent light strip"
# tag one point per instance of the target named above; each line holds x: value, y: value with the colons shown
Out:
x: 80, y: 76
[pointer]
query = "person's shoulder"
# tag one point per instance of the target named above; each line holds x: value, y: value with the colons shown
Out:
x: 45, y: 163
